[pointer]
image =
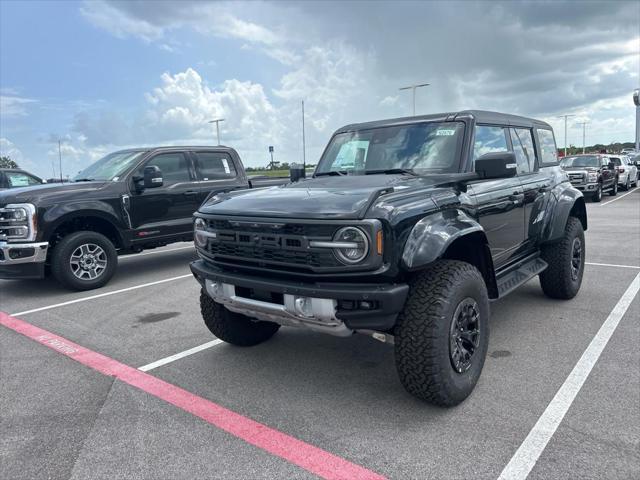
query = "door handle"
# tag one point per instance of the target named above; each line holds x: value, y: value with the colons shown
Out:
x: 516, y: 197
x: 544, y: 189
x: 190, y: 193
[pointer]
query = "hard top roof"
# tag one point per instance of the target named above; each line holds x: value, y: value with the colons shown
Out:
x: 480, y: 116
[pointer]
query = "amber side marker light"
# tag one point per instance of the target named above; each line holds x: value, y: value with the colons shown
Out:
x: 379, y: 242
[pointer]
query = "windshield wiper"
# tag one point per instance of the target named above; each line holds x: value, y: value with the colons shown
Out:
x: 84, y: 180
x: 337, y: 173
x: 391, y: 171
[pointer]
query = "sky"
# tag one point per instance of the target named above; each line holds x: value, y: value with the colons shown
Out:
x: 102, y: 75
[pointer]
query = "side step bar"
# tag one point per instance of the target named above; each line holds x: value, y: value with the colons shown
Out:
x: 519, y: 274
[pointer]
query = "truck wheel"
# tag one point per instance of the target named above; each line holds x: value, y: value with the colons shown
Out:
x: 442, y: 334
x: 598, y: 195
x: 627, y: 185
x: 232, y: 327
x: 614, y: 190
x: 84, y: 260
x: 563, y: 276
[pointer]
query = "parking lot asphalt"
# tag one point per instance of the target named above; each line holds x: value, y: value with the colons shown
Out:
x: 61, y: 419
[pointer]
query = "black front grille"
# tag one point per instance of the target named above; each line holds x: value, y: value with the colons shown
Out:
x: 229, y: 252
x: 277, y: 245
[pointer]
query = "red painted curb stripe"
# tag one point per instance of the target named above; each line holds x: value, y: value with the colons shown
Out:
x: 306, y: 456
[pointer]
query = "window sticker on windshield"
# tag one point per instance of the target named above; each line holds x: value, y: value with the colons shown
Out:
x: 225, y: 164
x: 445, y: 132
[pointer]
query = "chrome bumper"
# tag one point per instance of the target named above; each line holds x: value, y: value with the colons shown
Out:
x: 16, y: 253
x: 317, y: 314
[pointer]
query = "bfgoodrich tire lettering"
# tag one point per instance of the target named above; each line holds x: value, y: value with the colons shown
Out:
x: 561, y: 279
x: 69, y: 252
x: 232, y: 327
x: 424, y: 328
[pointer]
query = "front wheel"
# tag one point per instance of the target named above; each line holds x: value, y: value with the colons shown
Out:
x: 84, y: 260
x: 563, y: 276
x: 597, y: 196
x: 232, y: 327
x: 442, y: 334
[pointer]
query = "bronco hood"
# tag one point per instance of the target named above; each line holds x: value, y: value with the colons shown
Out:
x: 345, y: 197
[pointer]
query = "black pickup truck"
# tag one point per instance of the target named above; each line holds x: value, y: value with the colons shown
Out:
x: 128, y: 201
x: 592, y: 174
x: 408, y: 228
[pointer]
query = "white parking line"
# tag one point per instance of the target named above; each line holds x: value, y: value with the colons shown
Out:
x: 177, y: 356
x: 527, y: 455
x: 618, y: 198
x: 100, y: 295
x: 610, y: 265
x: 134, y: 255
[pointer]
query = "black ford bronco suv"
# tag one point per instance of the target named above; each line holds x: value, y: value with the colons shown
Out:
x: 126, y: 202
x: 406, y: 231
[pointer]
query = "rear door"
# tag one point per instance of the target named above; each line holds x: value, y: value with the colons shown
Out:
x: 216, y: 172
x: 536, y: 183
x: 167, y: 210
x: 500, y: 202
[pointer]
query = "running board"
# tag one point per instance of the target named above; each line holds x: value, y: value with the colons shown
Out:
x: 519, y: 274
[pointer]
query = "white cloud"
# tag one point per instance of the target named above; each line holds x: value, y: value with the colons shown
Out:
x: 12, y: 105
x: 117, y: 22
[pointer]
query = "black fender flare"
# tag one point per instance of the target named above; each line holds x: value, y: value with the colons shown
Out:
x: 59, y: 214
x: 430, y: 237
x: 567, y: 200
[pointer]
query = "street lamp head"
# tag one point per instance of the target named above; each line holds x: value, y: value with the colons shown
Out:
x: 216, y: 120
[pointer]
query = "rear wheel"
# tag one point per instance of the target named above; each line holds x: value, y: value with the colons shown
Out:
x: 232, y: 327
x: 84, y: 260
x: 442, y: 334
x: 627, y: 184
x: 563, y: 276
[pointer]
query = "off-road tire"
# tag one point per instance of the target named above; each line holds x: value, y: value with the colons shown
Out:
x: 232, y: 327
x: 557, y: 281
x: 61, y: 256
x: 422, y: 333
x: 614, y: 190
x: 597, y: 196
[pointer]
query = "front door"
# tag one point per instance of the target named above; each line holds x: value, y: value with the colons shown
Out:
x: 167, y: 210
x: 500, y: 202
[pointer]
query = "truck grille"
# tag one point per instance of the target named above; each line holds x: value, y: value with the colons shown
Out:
x: 576, y: 178
x: 277, y: 245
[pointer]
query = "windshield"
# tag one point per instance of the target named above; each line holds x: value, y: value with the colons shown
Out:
x: 110, y: 167
x: 585, y: 161
x: 423, y: 147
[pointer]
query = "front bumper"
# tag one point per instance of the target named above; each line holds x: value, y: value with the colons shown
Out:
x: 326, y: 313
x: 22, y: 260
x: 586, y: 187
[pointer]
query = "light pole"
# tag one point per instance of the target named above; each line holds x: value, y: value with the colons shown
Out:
x: 60, y: 159
x: 413, y: 91
x: 636, y: 101
x: 217, y: 122
x: 304, y: 154
x: 565, y: 132
x: 584, y: 125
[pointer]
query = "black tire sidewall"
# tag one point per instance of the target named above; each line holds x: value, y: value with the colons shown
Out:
x: 614, y: 189
x: 460, y: 384
x: 422, y: 333
x: 61, y: 269
x: 598, y: 195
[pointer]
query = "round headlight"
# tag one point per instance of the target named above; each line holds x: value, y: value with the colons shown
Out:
x: 358, y: 249
x: 200, y: 226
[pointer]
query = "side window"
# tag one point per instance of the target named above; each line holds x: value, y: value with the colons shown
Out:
x: 215, y: 165
x: 19, y: 179
x: 548, y: 150
x: 174, y: 167
x: 489, y: 139
x: 523, y: 148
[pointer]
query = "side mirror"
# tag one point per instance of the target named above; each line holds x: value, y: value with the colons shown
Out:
x: 296, y: 172
x: 496, y: 165
x: 152, y: 177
